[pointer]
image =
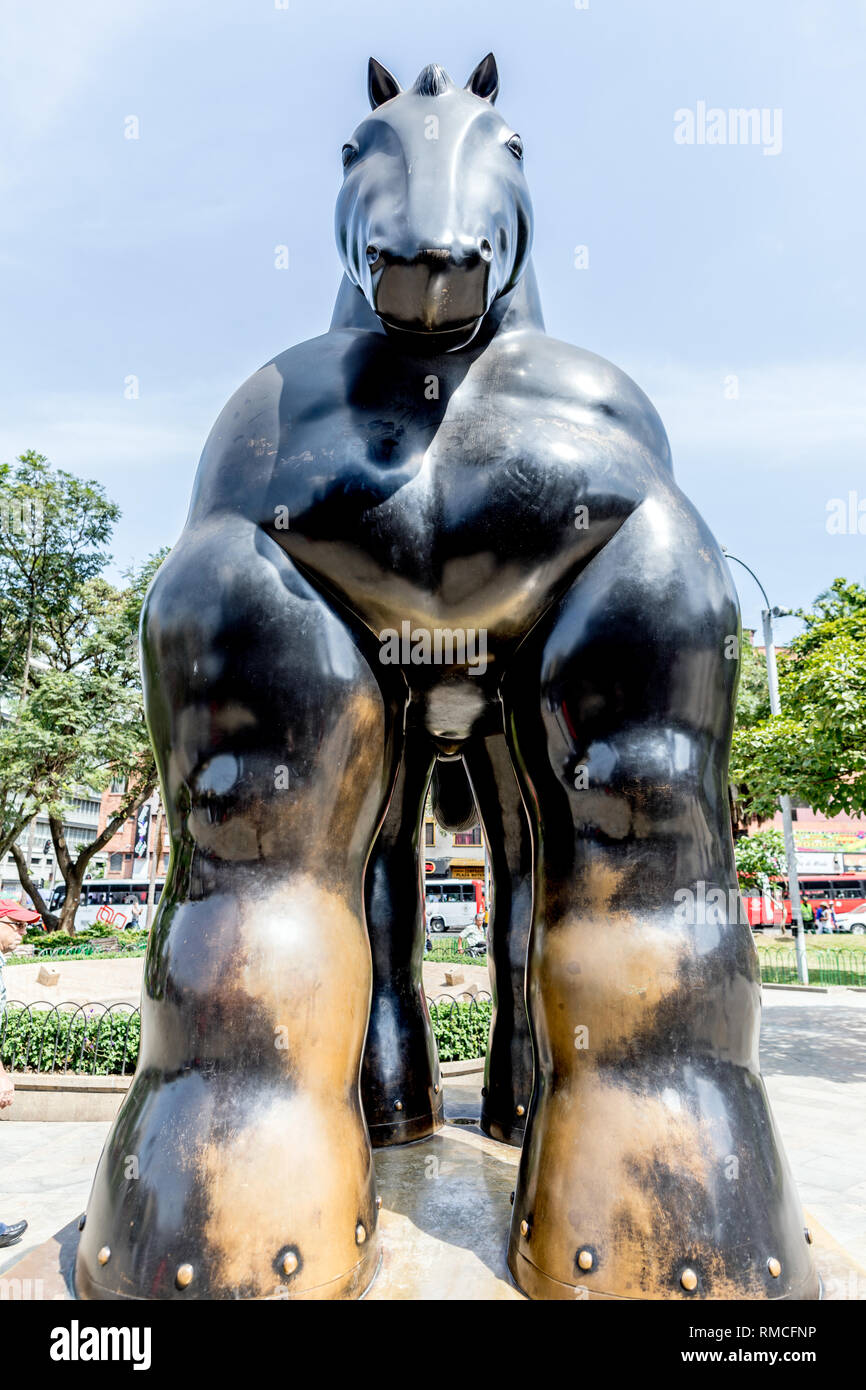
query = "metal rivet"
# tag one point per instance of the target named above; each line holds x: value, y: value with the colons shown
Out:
x: 520, y: 1110
x: 584, y: 1259
x: 512, y: 1199
x: 524, y: 1228
x: 360, y: 1233
x: 484, y: 1090
x: 436, y: 1089
x: 183, y: 1276
x: 808, y: 1234
x: 81, y: 1220
x: 104, y: 1255
x: 378, y: 1203
x: 774, y: 1267
x: 398, y: 1105
x: 290, y: 1262
x: 689, y: 1279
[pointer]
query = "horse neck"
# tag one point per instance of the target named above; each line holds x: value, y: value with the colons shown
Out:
x: 520, y: 308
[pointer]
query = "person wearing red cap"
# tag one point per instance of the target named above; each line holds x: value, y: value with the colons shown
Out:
x: 14, y: 921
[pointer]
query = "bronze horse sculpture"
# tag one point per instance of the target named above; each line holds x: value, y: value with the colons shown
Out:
x: 435, y: 542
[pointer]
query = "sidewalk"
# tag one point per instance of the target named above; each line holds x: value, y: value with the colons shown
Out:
x: 813, y: 1056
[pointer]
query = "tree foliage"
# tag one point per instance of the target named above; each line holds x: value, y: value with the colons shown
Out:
x: 816, y: 749
x: 70, y: 690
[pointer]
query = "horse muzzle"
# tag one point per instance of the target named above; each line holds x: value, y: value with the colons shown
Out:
x: 433, y: 291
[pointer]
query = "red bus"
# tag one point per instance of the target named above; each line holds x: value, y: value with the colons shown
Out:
x: 840, y: 891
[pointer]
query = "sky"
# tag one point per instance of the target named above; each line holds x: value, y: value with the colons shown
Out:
x: 138, y: 276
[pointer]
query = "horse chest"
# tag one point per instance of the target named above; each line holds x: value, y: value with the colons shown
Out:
x: 475, y: 515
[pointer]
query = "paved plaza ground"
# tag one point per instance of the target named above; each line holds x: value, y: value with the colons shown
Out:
x: 813, y: 1056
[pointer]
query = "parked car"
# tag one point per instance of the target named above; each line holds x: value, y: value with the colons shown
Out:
x: 853, y: 921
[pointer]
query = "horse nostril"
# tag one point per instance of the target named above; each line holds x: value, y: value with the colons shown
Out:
x: 372, y: 254
x: 486, y: 249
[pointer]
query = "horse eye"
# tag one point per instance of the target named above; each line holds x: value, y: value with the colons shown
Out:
x: 515, y: 144
x: 348, y: 154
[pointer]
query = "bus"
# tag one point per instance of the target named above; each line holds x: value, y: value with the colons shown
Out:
x: 106, y: 901
x: 452, y: 904
x: 843, y: 892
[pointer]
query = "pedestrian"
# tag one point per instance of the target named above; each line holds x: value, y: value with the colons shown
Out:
x: 14, y: 921
x: 807, y: 912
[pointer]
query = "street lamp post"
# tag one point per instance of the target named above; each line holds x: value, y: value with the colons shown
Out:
x: 767, y: 615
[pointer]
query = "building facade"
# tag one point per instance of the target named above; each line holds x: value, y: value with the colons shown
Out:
x: 129, y: 849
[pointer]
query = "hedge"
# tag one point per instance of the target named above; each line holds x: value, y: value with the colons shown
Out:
x: 103, y: 1042
x: 461, y: 1028
x: 91, y: 1040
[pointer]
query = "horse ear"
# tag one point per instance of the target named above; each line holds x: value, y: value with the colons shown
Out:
x: 382, y: 85
x: 484, y: 81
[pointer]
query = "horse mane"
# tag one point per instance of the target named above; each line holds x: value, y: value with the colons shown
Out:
x: 432, y: 81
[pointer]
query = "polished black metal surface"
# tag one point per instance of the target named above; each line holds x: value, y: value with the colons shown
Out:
x: 435, y: 464
x: 401, y: 1085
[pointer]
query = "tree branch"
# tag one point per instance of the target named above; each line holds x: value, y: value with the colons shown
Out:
x: 32, y: 891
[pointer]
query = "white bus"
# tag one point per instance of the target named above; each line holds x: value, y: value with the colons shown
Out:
x: 108, y: 901
x: 452, y: 904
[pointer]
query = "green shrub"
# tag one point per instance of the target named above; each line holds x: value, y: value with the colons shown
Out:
x: 91, y: 1041
x: 461, y: 1028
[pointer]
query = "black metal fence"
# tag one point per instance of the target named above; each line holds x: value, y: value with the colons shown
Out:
x: 86, y: 1039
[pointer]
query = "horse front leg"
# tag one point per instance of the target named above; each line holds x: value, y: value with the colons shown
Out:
x: 239, y: 1165
x: 651, y: 1167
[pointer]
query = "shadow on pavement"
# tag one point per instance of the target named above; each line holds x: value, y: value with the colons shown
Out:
x: 828, y: 1043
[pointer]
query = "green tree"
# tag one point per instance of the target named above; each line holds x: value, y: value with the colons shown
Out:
x: 72, y: 712
x: 759, y: 857
x: 816, y: 749
x: 753, y: 693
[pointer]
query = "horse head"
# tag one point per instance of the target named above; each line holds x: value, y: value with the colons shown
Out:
x: 434, y: 220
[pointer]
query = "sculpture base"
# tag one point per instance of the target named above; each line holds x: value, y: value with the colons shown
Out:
x: 349, y: 1287
x: 443, y: 1226
x: 539, y: 1286
x: 407, y: 1131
